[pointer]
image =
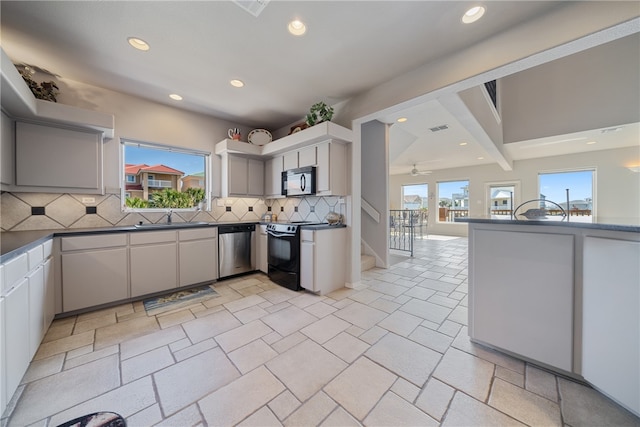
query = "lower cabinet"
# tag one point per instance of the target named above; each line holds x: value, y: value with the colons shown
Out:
x: 94, y: 270
x: 263, y: 248
x: 3, y: 346
x: 322, y: 259
x: 17, y: 358
x: 611, y: 308
x: 198, y: 252
x: 36, y: 309
x: 154, y: 262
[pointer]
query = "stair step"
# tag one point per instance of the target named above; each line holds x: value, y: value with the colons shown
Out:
x: 367, y: 262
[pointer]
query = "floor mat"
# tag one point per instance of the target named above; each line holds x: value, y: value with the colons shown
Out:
x: 176, y: 300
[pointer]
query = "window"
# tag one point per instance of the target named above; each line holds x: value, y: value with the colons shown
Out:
x: 414, y: 196
x: 453, y: 200
x: 571, y: 190
x: 502, y: 200
x: 156, y: 176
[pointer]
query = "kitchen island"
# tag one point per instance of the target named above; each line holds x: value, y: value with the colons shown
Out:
x: 563, y: 295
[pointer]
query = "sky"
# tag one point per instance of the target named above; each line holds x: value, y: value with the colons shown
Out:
x: 187, y: 163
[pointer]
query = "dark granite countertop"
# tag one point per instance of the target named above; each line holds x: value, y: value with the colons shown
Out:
x: 585, y: 225
x: 14, y: 243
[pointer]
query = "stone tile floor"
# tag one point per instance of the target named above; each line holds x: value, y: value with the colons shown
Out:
x: 395, y: 352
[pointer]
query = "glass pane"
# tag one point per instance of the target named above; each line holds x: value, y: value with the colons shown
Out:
x: 500, y: 201
x: 414, y: 196
x: 453, y: 200
x: 577, y: 186
x: 159, y: 177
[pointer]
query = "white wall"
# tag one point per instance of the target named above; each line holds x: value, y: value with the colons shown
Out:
x: 137, y: 118
x: 375, y: 167
x: 594, y: 89
x: 616, y: 194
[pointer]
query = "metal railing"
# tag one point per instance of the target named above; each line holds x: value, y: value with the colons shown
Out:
x: 404, y: 226
x: 157, y: 183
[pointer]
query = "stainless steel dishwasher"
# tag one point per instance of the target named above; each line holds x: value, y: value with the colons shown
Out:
x: 236, y: 249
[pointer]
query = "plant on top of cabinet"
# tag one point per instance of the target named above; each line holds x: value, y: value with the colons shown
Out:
x: 45, y: 90
x: 319, y: 112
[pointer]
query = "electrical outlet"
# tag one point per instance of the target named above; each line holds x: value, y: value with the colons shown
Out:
x: 88, y: 200
x: 229, y: 202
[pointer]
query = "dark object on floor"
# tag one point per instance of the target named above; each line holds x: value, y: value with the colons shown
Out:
x: 98, y: 419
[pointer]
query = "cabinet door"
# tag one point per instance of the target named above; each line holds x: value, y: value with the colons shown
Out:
x: 255, y: 171
x: 331, y: 172
x: 3, y: 358
x: 273, y: 176
x: 263, y: 248
x: 48, y: 156
x: 307, y: 157
x: 16, y: 335
x: 49, y: 294
x: 93, y: 277
x: 198, y: 261
x: 322, y: 172
x: 290, y: 160
x: 7, y: 145
x: 611, y: 308
x: 238, y: 175
x: 521, y: 294
x: 154, y: 268
x: 307, y: 250
x: 36, y: 309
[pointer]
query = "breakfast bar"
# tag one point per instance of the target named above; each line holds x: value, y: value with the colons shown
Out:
x: 563, y: 295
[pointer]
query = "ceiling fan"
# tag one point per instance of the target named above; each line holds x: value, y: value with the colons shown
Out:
x: 416, y: 172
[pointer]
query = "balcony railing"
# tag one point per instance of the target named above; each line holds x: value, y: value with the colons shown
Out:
x: 157, y: 183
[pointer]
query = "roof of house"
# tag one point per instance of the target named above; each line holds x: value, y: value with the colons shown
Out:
x: 413, y: 198
x: 131, y: 169
x: 195, y: 175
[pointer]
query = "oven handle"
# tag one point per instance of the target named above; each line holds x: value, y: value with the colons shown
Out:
x: 276, y: 234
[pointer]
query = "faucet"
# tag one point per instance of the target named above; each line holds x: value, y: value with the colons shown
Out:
x: 169, y: 212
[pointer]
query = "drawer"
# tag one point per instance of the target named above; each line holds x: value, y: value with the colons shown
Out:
x: 93, y: 242
x: 15, y: 270
x: 307, y: 235
x: 146, y: 237
x: 35, y: 256
x: 198, y: 233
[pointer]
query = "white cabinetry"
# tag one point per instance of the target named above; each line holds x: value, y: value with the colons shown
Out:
x: 198, y: 252
x: 323, y: 259
x: 16, y: 335
x: 24, y: 313
x: 273, y: 177
x: 154, y: 266
x: 263, y: 248
x: 331, y: 173
x: 7, y: 139
x: 50, y: 157
x: 94, y: 270
x: 521, y: 293
x: 290, y: 160
x: 242, y: 176
x: 611, y: 315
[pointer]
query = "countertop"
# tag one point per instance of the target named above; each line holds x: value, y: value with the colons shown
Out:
x: 585, y: 225
x: 14, y: 243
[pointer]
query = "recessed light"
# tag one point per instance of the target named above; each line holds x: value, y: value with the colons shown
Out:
x: 175, y: 97
x: 297, y: 27
x: 463, y: 143
x: 402, y: 120
x: 138, y: 43
x: 480, y: 158
x: 473, y: 14
x: 236, y: 83
x: 592, y: 142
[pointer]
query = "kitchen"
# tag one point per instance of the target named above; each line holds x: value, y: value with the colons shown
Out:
x: 175, y: 125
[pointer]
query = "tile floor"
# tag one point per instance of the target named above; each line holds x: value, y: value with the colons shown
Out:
x: 395, y: 352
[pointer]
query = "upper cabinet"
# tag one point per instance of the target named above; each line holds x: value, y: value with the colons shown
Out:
x: 242, y: 176
x: 46, y: 146
x: 323, y: 146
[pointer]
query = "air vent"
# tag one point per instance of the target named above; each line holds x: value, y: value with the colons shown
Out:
x: 616, y: 129
x: 254, y: 7
x: 439, y: 128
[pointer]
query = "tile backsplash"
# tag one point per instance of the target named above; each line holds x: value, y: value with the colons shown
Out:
x: 47, y: 211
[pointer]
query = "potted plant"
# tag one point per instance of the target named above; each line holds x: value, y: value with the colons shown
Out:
x: 319, y: 112
x: 45, y: 90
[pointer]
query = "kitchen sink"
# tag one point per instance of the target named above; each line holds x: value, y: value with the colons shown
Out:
x: 173, y: 224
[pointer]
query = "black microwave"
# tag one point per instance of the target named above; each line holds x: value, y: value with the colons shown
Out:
x: 299, y: 182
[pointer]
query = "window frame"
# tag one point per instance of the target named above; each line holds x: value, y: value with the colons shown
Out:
x: 467, y: 180
x: 593, y: 171
x: 206, y: 203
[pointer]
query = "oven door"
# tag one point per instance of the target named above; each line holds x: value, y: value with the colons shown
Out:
x: 284, y: 259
